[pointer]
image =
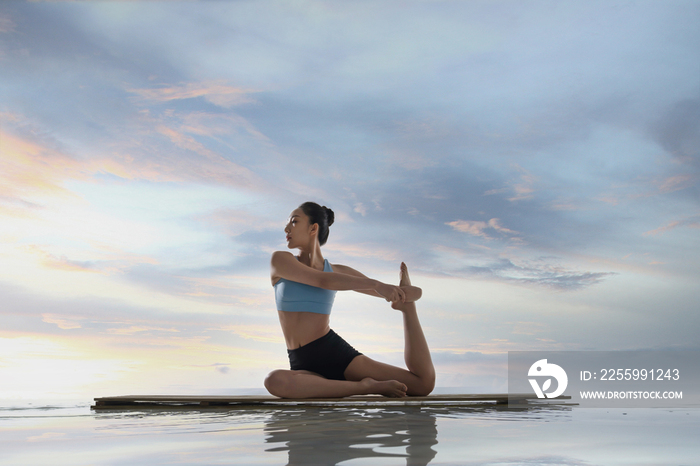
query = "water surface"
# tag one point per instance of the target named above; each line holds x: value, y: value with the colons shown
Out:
x: 476, y: 435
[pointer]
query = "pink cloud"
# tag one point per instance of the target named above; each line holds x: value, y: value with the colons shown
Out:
x: 690, y: 222
x: 27, y: 167
x: 676, y: 183
x: 216, y: 92
x: 31, y: 166
x: 479, y: 228
x: 52, y: 261
x: 61, y: 322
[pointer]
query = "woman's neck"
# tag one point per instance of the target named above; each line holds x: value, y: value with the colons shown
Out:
x: 312, y: 257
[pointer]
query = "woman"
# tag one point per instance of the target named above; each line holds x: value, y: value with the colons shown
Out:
x: 322, y: 364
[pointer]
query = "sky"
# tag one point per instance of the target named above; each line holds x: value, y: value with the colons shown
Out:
x: 535, y: 163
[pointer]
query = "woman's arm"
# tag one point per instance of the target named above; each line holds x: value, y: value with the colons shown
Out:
x: 284, y: 265
x: 413, y: 293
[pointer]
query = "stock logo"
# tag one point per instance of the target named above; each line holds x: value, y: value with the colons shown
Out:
x: 543, y: 369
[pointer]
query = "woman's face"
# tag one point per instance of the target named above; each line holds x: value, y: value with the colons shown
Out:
x: 298, y: 229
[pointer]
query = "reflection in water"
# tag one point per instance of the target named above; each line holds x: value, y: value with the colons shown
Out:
x: 332, y: 435
x: 329, y: 436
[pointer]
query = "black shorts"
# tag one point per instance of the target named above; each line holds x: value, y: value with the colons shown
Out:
x: 328, y: 356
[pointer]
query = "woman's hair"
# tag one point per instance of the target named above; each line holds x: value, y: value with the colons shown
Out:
x: 321, y: 215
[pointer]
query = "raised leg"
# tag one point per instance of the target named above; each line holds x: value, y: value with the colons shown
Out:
x: 420, y: 376
x: 416, y: 351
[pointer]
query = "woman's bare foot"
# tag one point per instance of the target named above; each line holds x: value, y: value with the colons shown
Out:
x: 390, y: 388
x: 405, y: 281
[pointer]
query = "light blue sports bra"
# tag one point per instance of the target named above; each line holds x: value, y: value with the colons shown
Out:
x: 293, y: 296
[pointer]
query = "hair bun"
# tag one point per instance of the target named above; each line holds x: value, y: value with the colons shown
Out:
x: 321, y: 215
x: 330, y: 216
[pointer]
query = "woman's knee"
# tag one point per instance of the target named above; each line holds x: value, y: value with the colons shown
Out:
x: 277, y: 382
x: 423, y: 387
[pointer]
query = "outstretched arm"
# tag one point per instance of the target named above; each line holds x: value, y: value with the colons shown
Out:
x: 284, y: 265
x: 413, y: 293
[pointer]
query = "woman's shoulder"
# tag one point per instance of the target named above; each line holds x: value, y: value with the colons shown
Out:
x: 282, y: 255
x: 278, y: 262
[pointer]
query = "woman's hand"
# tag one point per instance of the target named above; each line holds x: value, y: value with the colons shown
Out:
x: 391, y: 293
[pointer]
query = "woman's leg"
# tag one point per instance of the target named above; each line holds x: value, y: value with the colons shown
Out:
x: 420, y: 376
x: 305, y: 384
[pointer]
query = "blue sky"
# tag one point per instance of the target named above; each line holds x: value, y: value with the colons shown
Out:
x: 535, y: 163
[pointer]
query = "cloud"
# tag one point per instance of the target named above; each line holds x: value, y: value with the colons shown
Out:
x: 538, y: 273
x: 52, y: 261
x: 216, y: 285
x: 347, y: 250
x: 216, y: 92
x: 676, y: 183
x: 678, y: 131
x: 485, y: 264
x: 92, y: 314
x: 216, y: 124
x: 28, y: 167
x: 524, y: 188
x: 139, y: 329
x: 162, y: 149
x: 104, y: 259
x: 216, y: 168
x: 221, y: 367
x: 527, y: 328
x: 29, y: 170
x: 691, y: 222
x: 194, y: 146
x: 360, y: 209
x: 60, y: 321
x: 477, y: 228
x: 6, y: 24
x: 103, y: 325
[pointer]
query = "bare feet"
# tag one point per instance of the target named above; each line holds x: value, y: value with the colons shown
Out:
x: 404, y: 281
x: 390, y: 388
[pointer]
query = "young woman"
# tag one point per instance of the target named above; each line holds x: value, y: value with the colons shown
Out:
x: 322, y: 364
